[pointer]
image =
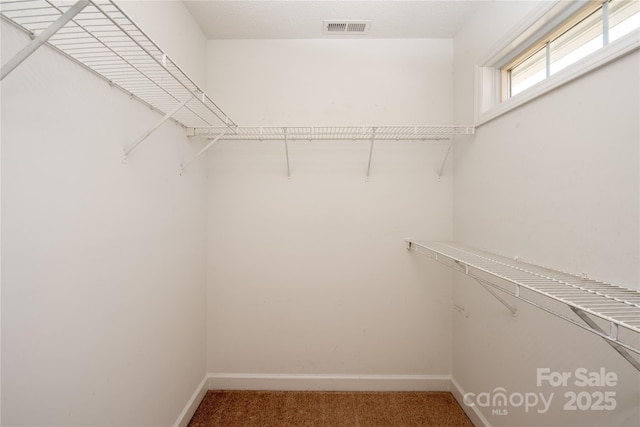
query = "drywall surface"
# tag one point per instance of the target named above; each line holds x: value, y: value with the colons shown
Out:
x: 310, y: 275
x: 332, y: 82
x: 103, y: 277
x: 170, y: 25
x: 555, y: 182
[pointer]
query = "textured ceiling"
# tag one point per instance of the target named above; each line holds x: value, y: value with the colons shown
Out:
x: 241, y: 19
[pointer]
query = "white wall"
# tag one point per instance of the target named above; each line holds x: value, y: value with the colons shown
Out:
x: 104, y: 264
x: 332, y: 82
x: 103, y: 278
x: 555, y: 182
x: 170, y: 25
x: 311, y: 275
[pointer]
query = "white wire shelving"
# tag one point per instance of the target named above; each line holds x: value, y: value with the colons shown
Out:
x: 609, y: 311
x: 98, y: 35
x: 310, y: 133
x: 332, y: 133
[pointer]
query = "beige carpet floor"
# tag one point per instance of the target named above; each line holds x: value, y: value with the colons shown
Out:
x: 340, y: 409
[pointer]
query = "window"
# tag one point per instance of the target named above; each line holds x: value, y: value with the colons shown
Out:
x: 557, y: 42
x: 590, y: 29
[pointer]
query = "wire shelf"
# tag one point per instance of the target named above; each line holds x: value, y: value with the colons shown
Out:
x: 272, y: 133
x: 102, y: 38
x: 98, y: 35
x: 618, y: 306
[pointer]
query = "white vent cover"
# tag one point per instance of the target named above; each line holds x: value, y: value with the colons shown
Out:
x: 346, y: 27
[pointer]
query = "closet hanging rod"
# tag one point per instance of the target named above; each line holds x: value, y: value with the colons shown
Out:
x: 103, y: 39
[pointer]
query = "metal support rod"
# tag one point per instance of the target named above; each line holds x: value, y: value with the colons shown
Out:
x: 512, y: 309
x: 623, y: 352
x: 167, y: 116
x: 446, y: 156
x: 373, y: 139
x: 205, y: 148
x: 42, y: 37
x: 286, y: 151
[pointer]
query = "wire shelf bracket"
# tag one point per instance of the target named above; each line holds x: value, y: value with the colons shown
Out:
x: 444, y: 160
x: 545, y: 288
x: 286, y: 151
x: 613, y: 334
x: 155, y: 127
x: 201, y: 152
x: 487, y: 287
x: 373, y: 140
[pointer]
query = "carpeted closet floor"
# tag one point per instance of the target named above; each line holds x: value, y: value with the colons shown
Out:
x: 230, y: 408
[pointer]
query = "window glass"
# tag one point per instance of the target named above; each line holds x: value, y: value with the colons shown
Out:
x: 579, y: 41
x: 624, y: 17
x: 529, y: 72
x: 595, y: 26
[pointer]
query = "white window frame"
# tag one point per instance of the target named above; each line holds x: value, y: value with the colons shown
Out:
x: 543, y: 20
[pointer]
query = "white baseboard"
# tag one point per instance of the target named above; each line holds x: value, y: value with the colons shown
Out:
x: 193, y: 403
x: 337, y: 382
x: 472, y: 412
x: 326, y: 382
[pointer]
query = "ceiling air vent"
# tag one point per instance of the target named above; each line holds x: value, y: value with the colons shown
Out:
x: 346, y: 27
